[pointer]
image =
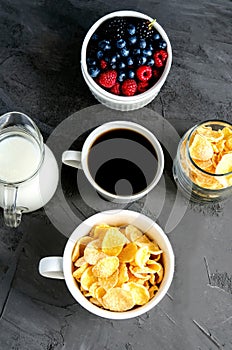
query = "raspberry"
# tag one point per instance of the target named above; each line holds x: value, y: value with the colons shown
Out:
x: 142, y: 86
x: 156, y: 74
x: 158, y: 61
x: 129, y: 87
x: 115, y: 89
x: 107, y: 79
x: 160, y: 57
x: 103, y: 64
x: 144, y: 73
x: 164, y: 55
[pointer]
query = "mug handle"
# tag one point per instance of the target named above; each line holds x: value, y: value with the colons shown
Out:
x: 52, y: 267
x: 72, y: 158
x: 12, y: 213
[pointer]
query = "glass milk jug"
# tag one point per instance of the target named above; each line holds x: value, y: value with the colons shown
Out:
x: 21, y: 156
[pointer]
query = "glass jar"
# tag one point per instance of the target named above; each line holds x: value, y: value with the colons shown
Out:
x: 202, y: 168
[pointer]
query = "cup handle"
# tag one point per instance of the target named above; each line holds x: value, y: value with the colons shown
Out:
x: 72, y: 158
x: 12, y: 214
x: 52, y: 267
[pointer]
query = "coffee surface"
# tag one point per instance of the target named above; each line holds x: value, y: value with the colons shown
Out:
x: 122, y: 162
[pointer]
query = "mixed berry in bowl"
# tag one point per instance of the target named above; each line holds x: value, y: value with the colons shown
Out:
x: 126, y: 56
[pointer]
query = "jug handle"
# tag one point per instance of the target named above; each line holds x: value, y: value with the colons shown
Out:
x: 12, y: 214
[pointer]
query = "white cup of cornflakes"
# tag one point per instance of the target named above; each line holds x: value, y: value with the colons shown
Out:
x: 117, y: 264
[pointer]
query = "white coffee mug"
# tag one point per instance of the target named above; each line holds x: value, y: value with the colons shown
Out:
x: 79, y: 160
x: 61, y: 267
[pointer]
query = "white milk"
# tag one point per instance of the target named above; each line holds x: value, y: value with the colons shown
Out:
x: 20, y: 156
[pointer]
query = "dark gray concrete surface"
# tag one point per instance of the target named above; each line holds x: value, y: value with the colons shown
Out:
x: 40, y: 75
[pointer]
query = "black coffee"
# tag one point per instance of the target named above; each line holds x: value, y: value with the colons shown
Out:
x: 122, y: 162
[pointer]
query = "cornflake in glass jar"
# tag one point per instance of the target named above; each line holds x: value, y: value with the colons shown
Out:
x: 202, y: 168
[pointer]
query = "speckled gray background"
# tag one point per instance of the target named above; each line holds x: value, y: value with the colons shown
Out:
x: 40, y: 75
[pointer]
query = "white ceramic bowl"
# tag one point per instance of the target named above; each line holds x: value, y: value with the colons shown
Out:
x: 51, y: 266
x: 124, y: 103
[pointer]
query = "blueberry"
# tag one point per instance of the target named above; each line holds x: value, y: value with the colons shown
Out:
x: 124, y: 52
x: 142, y: 43
x: 147, y: 52
x: 120, y: 43
x: 162, y: 44
x: 131, y: 74
x: 94, y: 36
x: 108, y: 47
x: 121, y: 65
x: 104, y: 45
x: 136, y: 52
x: 121, y: 76
x: 113, y: 59
x: 150, y: 47
x: 94, y: 72
x: 131, y: 29
x: 156, y: 36
x: 143, y: 59
x: 113, y: 66
x: 132, y: 40
x: 100, y: 54
x: 91, y: 61
x: 140, y: 60
x: 150, y: 62
x: 130, y: 61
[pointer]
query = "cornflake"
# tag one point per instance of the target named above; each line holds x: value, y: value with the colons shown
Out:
x: 211, y: 151
x: 117, y: 268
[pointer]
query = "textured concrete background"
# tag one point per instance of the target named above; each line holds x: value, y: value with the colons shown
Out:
x: 40, y: 75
